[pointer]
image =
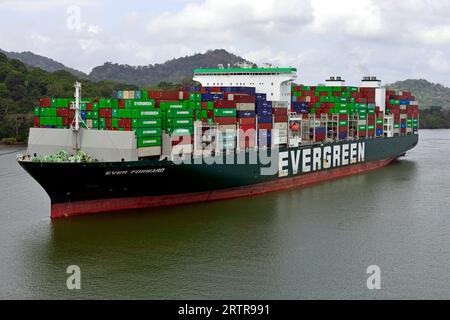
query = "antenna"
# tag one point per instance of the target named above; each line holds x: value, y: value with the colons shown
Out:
x: 77, y: 118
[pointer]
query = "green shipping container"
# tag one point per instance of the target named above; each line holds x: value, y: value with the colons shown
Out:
x: 115, y: 123
x: 164, y: 106
x: 37, y: 111
x: 149, y: 123
x: 343, y: 123
x: 146, y: 113
x: 180, y: 131
x: 225, y: 113
x: 179, y: 122
x: 50, y: 112
x: 174, y: 113
x: 125, y: 113
x: 142, y: 103
x: 51, y: 121
x: 149, y: 142
x: 362, y: 128
x: 148, y: 132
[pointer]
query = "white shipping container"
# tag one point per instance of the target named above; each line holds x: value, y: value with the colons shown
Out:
x: 362, y: 122
x: 149, y: 152
x: 280, y: 125
x: 280, y: 104
x: 280, y: 140
x: 231, y: 97
x: 245, y: 106
x: 227, y: 127
x: 281, y: 133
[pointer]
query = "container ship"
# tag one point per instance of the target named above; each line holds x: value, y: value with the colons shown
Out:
x: 241, y: 132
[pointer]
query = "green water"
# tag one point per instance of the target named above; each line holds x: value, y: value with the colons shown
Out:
x: 303, y: 244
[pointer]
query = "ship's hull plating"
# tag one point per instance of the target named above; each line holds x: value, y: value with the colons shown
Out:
x: 78, y: 189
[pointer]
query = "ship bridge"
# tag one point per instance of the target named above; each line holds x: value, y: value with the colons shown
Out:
x: 274, y: 82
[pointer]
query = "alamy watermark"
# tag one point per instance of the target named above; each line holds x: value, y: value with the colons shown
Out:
x: 374, y: 280
x: 74, y: 280
x: 73, y: 21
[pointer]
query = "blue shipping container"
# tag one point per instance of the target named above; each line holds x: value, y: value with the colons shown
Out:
x: 246, y: 114
x: 264, y: 119
x: 264, y: 112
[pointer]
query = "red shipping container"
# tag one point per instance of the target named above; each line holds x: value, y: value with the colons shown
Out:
x: 225, y: 120
x: 65, y: 121
x: 210, y: 114
x: 121, y: 104
x: 246, y: 127
x: 128, y: 129
x: 181, y: 140
x: 121, y: 125
x: 280, y: 119
x: 247, y: 121
x: 279, y: 111
x: 265, y: 126
x: 108, y: 113
x: 204, y: 105
x: 127, y: 123
x: 224, y: 104
x: 241, y: 98
x: 71, y: 114
x: 108, y: 123
x: 45, y: 102
x: 62, y: 112
x: 36, y: 122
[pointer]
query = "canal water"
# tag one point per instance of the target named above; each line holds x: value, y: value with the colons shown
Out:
x: 312, y: 243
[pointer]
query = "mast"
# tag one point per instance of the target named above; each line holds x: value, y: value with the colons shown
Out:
x: 77, y: 118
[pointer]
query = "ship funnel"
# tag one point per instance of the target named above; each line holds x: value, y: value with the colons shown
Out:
x: 335, y: 81
x: 370, y: 82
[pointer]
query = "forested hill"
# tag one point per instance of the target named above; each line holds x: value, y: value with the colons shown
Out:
x: 21, y: 86
x: 434, y: 101
x: 175, y: 71
x: 428, y: 94
x: 37, y: 61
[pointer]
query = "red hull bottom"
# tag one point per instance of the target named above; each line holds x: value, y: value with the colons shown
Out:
x: 78, y: 208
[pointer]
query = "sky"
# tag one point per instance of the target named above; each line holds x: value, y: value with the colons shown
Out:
x: 394, y: 40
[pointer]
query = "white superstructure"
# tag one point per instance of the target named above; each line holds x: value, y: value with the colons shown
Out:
x: 274, y: 82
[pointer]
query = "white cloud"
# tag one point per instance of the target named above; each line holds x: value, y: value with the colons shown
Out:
x: 39, y: 39
x: 435, y: 35
x: 391, y: 39
x: 439, y: 62
x: 232, y: 20
x: 42, y: 5
x: 358, y: 18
